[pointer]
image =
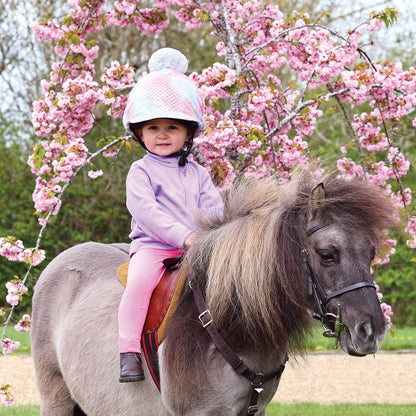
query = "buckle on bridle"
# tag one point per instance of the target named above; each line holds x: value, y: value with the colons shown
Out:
x: 205, y: 318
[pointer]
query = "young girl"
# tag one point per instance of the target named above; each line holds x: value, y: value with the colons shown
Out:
x: 165, y: 190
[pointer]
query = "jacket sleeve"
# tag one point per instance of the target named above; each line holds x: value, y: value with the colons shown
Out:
x: 210, y: 203
x: 147, y: 215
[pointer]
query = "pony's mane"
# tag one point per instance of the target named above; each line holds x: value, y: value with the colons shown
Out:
x: 245, y: 261
x: 249, y: 261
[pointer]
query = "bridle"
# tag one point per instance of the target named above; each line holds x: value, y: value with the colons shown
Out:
x: 331, y: 323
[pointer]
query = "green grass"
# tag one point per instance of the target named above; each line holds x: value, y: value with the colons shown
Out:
x: 276, y: 409
x: 402, y: 338
x: 313, y: 409
x: 28, y: 410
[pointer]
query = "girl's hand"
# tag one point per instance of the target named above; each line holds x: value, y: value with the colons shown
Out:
x: 190, y: 239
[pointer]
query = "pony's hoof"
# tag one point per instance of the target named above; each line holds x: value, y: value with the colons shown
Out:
x: 131, y: 368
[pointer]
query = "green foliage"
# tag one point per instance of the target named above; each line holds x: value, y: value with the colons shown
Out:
x: 91, y: 209
x: 402, y: 338
x: 398, y: 283
x: 16, y: 209
x: 388, y: 16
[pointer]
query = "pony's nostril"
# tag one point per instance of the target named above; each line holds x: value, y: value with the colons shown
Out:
x: 365, y: 330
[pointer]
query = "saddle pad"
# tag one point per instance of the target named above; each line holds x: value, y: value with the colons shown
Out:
x: 150, y: 348
x: 163, y: 300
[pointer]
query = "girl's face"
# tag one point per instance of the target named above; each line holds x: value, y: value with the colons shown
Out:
x: 163, y: 136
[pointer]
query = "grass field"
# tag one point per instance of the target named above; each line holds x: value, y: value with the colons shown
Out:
x: 275, y: 409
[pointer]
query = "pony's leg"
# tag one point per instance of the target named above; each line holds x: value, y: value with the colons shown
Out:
x: 54, y: 394
x: 55, y: 399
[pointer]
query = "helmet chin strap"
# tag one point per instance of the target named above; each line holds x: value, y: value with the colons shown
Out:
x: 183, y: 160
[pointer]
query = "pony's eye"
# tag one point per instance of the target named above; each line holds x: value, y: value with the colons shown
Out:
x: 327, y: 256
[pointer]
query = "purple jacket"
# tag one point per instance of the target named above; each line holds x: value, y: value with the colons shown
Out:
x: 163, y: 198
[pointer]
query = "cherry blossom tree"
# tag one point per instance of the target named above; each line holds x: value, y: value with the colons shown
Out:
x: 258, y: 124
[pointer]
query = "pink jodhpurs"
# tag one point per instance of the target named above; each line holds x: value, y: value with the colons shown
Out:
x: 146, y: 268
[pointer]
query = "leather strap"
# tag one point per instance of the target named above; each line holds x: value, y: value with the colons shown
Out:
x: 348, y: 289
x: 207, y: 322
x: 256, y: 379
x: 256, y: 388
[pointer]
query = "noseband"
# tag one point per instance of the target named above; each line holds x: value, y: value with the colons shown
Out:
x: 321, y: 298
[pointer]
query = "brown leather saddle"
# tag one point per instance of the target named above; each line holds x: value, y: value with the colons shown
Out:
x: 164, y: 298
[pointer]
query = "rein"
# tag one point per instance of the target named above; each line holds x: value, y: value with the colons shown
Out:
x: 321, y: 298
x: 256, y: 379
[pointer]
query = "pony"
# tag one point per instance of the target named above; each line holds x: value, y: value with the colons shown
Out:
x: 279, y: 255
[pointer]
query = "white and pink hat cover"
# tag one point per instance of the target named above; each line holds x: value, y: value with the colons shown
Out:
x: 165, y: 92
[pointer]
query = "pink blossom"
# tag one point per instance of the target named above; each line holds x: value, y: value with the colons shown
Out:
x: 10, y: 248
x: 15, y: 290
x: 388, y: 313
x: 24, y: 324
x: 110, y: 152
x: 8, y: 400
x: 375, y: 24
x: 388, y: 248
x: 33, y: 257
x: 347, y: 167
x: 411, y: 230
x: 9, y: 346
x: 95, y: 174
x: 398, y: 161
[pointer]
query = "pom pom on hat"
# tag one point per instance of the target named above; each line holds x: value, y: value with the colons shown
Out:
x: 168, y: 58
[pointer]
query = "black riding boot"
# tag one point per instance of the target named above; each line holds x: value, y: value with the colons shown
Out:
x: 131, y: 368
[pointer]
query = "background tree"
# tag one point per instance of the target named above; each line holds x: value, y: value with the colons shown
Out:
x: 274, y: 79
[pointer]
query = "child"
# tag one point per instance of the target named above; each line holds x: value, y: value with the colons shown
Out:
x: 165, y: 190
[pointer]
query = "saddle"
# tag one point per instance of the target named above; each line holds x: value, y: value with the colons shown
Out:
x: 162, y: 304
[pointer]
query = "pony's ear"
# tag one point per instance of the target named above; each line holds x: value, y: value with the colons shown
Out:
x: 316, y: 199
